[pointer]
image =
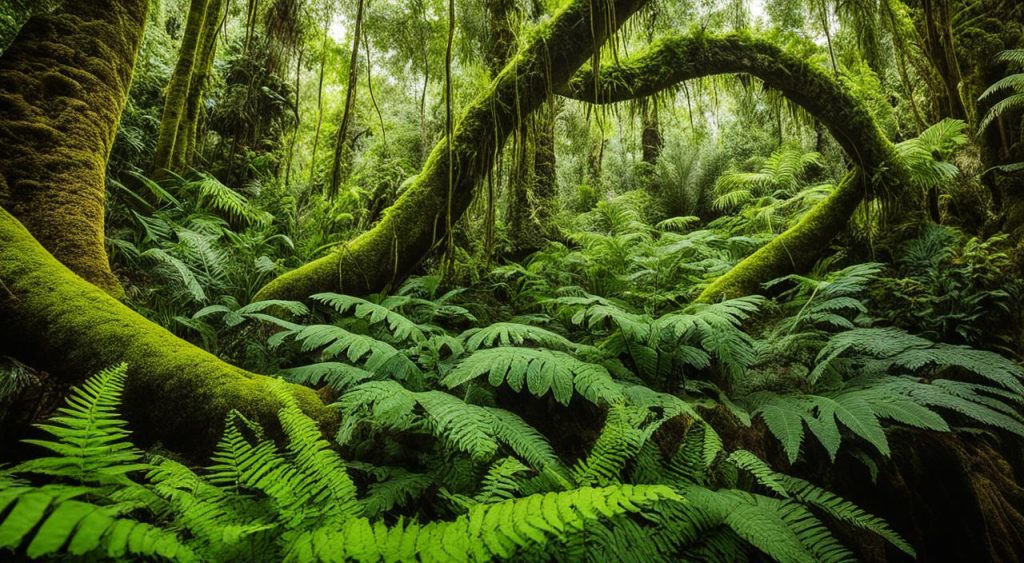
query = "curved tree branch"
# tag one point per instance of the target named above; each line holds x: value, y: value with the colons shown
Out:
x: 417, y: 221
x: 669, y: 62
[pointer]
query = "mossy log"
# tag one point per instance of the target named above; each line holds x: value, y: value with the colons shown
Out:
x: 419, y: 220
x: 63, y: 84
x: 177, y: 393
x: 669, y: 62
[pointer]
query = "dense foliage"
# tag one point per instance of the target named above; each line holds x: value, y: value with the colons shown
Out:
x: 553, y: 382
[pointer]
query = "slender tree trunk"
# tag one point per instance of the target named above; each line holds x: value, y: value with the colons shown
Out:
x: 178, y: 88
x: 63, y: 83
x: 342, y: 145
x: 940, y: 49
x: 298, y: 119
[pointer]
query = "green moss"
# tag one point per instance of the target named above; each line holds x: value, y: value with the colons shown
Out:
x: 188, y: 124
x: 59, y: 322
x: 417, y: 222
x: 63, y: 84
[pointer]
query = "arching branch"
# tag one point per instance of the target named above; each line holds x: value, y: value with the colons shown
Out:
x: 669, y: 62
x: 417, y: 221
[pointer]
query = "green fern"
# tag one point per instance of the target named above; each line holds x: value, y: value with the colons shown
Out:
x: 401, y: 328
x: 514, y: 334
x: 540, y: 372
x: 90, y: 437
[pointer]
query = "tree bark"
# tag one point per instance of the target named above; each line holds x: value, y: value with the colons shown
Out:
x: 62, y: 88
x: 63, y: 84
x: 416, y: 222
x: 177, y: 394
x: 188, y: 127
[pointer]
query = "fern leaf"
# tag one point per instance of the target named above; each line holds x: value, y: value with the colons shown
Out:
x: 540, y: 371
x: 514, y: 334
x: 90, y: 437
x: 843, y: 510
x: 401, y: 327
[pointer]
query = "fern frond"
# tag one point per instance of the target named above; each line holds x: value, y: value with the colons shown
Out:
x: 401, y: 327
x: 90, y: 436
x: 487, y: 531
x: 500, y: 482
x: 59, y: 524
x: 540, y: 371
x: 754, y: 465
x: 514, y: 334
x: 843, y: 510
x: 400, y: 488
x: 625, y: 431
x: 375, y: 355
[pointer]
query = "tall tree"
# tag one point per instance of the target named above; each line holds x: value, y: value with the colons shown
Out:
x: 188, y: 126
x: 417, y: 221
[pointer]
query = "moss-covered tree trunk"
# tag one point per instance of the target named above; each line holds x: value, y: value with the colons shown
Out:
x: 177, y: 393
x: 417, y: 221
x: 796, y: 249
x: 531, y: 187
x: 63, y: 84
x: 188, y: 126
x: 176, y: 97
x: 673, y: 60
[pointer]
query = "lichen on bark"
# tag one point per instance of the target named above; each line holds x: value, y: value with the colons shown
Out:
x: 63, y: 83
